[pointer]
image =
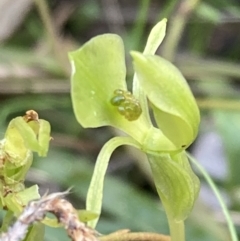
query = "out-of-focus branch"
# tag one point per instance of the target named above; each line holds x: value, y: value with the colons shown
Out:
x: 53, y: 36
x: 12, y: 14
x: 176, y: 27
x: 113, y: 15
x: 37, y: 85
x: 220, y: 104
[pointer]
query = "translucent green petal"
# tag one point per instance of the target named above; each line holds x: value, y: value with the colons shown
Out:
x: 174, y: 106
x: 98, y: 69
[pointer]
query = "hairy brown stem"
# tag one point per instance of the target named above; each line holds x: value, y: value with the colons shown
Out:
x: 35, y: 211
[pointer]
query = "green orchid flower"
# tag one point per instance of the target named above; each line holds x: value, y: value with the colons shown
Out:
x: 23, y: 136
x: 100, y: 98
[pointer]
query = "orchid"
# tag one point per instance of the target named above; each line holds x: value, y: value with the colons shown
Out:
x: 100, y: 98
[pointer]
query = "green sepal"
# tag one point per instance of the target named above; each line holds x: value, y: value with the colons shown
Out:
x: 174, y: 106
x: 44, y: 137
x: 176, y: 184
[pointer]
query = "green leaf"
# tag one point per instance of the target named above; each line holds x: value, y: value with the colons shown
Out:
x: 7, y: 221
x: 174, y: 106
x: 35, y: 233
x: 176, y: 184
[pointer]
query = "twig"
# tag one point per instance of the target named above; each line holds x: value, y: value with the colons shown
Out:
x: 176, y: 27
x: 53, y: 36
x: 35, y: 211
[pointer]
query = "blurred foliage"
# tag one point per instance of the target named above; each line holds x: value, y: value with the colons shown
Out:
x: 202, y: 40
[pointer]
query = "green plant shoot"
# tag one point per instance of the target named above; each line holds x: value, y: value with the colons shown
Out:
x: 100, y: 98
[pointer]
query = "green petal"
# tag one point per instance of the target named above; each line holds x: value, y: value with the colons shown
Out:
x: 174, y: 106
x: 176, y: 184
x: 155, y: 37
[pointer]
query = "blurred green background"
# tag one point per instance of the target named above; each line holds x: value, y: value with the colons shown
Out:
x: 202, y: 40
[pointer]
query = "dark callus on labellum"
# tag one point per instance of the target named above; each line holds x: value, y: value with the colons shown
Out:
x: 127, y: 104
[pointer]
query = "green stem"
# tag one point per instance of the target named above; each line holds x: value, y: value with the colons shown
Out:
x: 95, y: 191
x: 123, y: 235
x: 177, y: 228
x: 231, y: 227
